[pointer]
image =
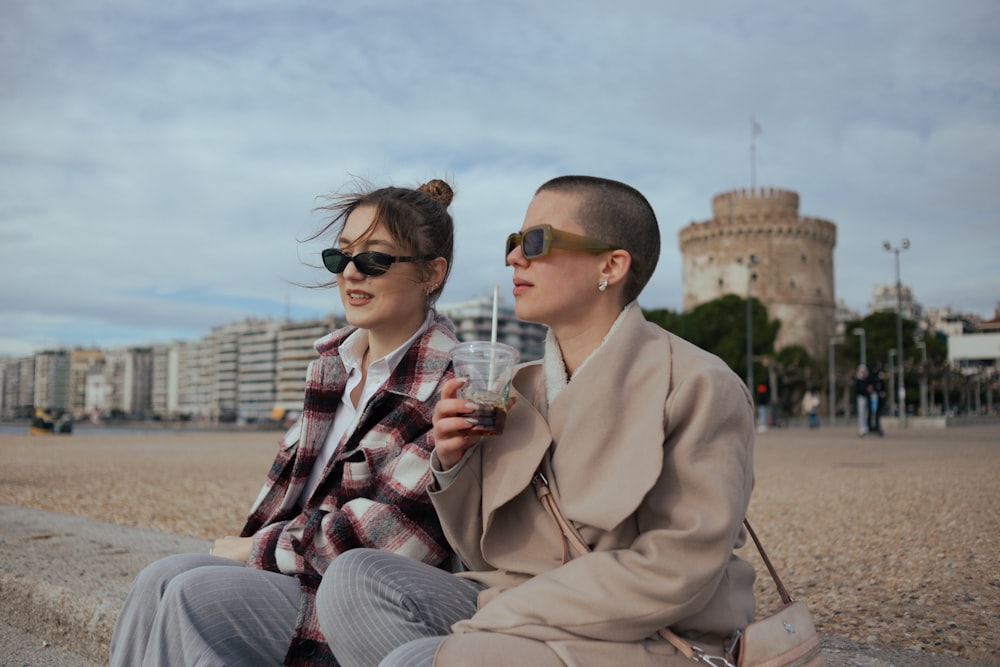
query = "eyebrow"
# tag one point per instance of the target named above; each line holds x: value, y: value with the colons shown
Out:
x: 377, y: 243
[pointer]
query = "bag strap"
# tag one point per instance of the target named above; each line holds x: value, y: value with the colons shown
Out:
x: 573, y: 538
x: 782, y: 591
x: 693, y: 652
x: 569, y: 531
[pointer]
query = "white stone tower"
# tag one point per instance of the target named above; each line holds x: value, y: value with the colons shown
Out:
x: 793, y: 270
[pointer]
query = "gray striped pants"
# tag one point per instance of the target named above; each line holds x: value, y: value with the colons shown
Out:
x: 382, y: 609
x: 196, y: 609
x: 378, y: 608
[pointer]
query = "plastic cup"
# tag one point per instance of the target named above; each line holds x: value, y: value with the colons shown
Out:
x: 487, y: 369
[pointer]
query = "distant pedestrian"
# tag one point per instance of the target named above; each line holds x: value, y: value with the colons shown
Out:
x: 763, y: 407
x: 810, y: 401
x: 351, y: 473
x: 861, y: 399
x: 876, y: 390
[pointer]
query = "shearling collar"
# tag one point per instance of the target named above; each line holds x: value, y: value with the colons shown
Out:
x: 556, y: 377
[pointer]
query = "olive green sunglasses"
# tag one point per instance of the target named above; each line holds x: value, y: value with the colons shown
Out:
x: 539, y: 241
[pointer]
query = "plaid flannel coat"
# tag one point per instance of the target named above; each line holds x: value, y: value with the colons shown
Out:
x: 373, y: 491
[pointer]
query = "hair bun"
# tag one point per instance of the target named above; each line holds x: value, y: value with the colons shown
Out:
x: 439, y: 191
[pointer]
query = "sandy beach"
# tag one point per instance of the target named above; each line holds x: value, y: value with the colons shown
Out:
x: 891, y: 541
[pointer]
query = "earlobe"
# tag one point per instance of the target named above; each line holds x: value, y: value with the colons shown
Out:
x: 616, y: 267
x: 440, y: 265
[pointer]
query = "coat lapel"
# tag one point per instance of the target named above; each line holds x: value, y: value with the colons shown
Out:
x: 511, y: 460
x: 631, y: 372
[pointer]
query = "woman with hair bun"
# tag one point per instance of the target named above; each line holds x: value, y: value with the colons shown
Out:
x: 611, y: 506
x: 352, y: 472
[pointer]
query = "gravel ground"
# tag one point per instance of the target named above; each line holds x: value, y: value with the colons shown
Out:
x: 891, y: 541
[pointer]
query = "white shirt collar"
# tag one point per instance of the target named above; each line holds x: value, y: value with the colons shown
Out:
x: 352, y: 352
x: 556, y: 377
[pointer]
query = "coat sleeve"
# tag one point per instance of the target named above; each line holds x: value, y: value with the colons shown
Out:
x: 458, y: 506
x: 687, y: 525
x: 379, y: 501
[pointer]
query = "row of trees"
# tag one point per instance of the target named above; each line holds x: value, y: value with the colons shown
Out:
x: 720, y: 326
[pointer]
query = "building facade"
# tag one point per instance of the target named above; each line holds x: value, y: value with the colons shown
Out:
x: 248, y: 371
x: 83, y: 364
x: 51, y: 385
x: 295, y: 351
x: 473, y: 320
x: 885, y: 299
x: 17, y: 388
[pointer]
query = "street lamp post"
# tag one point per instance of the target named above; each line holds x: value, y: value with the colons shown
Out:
x: 899, y: 327
x: 833, y: 379
x: 752, y: 261
x: 859, y: 331
x: 947, y: 389
x: 922, y: 346
x: 892, y: 382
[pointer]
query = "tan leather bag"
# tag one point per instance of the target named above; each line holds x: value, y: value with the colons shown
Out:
x: 786, y: 638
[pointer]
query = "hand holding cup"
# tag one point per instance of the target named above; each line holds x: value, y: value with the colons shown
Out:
x: 487, y: 368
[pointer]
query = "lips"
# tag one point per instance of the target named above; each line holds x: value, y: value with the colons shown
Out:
x: 357, y: 297
x: 520, y: 286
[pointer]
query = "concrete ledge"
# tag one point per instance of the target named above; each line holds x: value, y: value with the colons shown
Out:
x: 937, y: 422
x: 63, y: 580
x: 919, y: 422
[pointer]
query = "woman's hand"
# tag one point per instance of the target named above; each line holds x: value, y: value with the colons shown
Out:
x: 452, y: 424
x: 236, y: 548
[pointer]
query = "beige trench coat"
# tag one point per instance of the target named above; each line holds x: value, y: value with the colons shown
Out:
x: 652, y: 458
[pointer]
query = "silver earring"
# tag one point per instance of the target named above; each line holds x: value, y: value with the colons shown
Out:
x: 603, y: 285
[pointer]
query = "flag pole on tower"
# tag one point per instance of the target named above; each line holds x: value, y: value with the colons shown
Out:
x: 754, y: 131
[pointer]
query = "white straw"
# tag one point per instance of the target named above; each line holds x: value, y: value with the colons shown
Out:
x: 493, y: 336
x: 496, y: 296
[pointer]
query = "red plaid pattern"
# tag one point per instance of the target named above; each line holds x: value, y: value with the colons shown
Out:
x: 373, y: 490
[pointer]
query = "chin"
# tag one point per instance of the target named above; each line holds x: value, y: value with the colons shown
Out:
x: 356, y: 319
x: 525, y: 313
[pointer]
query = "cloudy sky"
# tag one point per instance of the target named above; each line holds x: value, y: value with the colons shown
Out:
x: 159, y: 162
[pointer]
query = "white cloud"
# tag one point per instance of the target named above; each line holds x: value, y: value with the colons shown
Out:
x: 158, y: 162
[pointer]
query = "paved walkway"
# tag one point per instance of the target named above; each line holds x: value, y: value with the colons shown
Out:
x: 63, y: 580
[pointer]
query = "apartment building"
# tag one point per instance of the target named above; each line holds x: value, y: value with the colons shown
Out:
x: 256, y: 372
x: 295, y: 351
x: 17, y: 387
x: 206, y: 373
x: 196, y: 398
x: 137, y: 394
x: 120, y: 384
x: 83, y: 363
x: 164, y: 392
x: 474, y: 321
x: 51, y: 382
x: 247, y: 371
x: 884, y: 298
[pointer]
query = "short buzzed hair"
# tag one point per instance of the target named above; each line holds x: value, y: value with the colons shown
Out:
x: 616, y: 213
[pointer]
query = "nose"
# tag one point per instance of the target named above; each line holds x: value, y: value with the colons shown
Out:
x: 516, y: 256
x: 351, y: 272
